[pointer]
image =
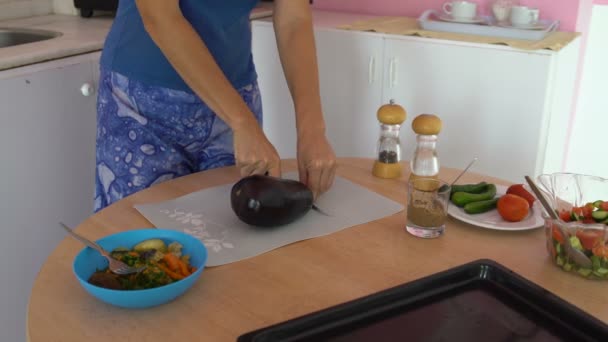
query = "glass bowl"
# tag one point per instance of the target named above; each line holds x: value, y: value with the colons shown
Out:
x: 581, y: 202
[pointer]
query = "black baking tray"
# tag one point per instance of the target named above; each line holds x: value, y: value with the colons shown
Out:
x: 478, y: 301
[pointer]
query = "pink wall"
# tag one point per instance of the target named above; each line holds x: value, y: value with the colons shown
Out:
x: 564, y: 10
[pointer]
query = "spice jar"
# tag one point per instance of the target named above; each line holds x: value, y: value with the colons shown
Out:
x: 387, y: 164
x: 425, y: 162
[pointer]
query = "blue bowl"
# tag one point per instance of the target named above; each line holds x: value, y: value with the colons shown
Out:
x: 88, y: 261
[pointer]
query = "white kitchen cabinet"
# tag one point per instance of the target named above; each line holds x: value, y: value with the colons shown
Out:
x: 350, y: 98
x: 508, y: 107
x: 496, y: 103
x: 47, y: 134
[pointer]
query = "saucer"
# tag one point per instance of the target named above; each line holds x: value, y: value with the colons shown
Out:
x: 476, y: 20
x: 537, y: 26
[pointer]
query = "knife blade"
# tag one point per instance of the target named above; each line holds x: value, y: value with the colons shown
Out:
x: 319, y: 210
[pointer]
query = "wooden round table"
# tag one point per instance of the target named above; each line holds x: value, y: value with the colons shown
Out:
x: 290, y: 281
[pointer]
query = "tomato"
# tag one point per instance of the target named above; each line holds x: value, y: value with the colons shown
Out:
x: 512, y: 208
x: 588, y: 220
x: 519, y: 190
x: 604, y: 206
x: 589, y: 237
x: 557, y: 234
x: 565, y: 215
x: 601, y: 250
x: 587, y: 210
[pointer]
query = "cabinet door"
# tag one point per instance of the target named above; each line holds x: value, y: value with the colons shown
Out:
x: 491, y: 101
x: 350, y: 77
x: 47, y: 134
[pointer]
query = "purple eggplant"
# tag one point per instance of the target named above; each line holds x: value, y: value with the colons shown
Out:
x: 267, y: 201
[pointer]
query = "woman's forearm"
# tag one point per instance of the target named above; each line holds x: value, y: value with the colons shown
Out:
x: 295, y: 40
x: 188, y: 54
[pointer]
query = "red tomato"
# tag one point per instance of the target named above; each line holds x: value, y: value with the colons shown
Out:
x: 519, y: 190
x: 512, y: 208
x: 557, y: 235
x: 604, y: 206
x: 587, y: 210
x: 565, y: 215
x: 589, y: 237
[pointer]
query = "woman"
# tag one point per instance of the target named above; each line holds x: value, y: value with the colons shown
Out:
x: 178, y: 94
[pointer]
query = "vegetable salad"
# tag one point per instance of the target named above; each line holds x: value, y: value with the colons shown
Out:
x: 591, y: 240
x: 164, y: 263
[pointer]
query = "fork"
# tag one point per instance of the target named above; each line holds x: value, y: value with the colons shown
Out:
x: 115, y: 266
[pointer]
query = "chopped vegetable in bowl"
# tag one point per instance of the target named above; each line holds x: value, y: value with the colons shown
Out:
x: 590, y: 238
x: 580, y: 202
x: 164, y: 263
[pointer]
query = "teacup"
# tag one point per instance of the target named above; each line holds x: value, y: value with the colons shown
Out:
x: 524, y: 16
x: 460, y: 10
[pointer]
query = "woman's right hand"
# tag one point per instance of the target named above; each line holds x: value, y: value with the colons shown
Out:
x: 253, y: 153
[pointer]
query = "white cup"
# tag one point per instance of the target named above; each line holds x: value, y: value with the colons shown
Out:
x: 501, y: 12
x: 460, y: 10
x: 524, y: 16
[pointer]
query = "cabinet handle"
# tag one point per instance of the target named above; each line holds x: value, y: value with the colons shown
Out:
x: 87, y: 89
x: 371, y: 73
x: 392, y: 70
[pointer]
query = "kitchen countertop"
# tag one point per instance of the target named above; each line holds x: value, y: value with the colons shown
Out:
x: 290, y: 281
x: 78, y: 36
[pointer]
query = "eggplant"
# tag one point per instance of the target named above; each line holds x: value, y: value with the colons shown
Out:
x: 266, y: 201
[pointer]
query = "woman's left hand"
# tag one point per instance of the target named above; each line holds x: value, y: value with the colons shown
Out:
x: 316, y: 162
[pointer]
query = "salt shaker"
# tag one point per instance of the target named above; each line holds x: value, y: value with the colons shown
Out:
x: 425, y: 162
x: 387, y: 164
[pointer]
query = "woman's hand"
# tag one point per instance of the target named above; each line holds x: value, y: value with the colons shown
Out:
x: 316, y: 162
x: 253, y: 153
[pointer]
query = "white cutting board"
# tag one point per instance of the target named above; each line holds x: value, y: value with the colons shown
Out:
x: 207, y: 215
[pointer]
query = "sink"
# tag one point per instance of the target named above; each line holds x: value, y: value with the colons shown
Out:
x: 18, y: 36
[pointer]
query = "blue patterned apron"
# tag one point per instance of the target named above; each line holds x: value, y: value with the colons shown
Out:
x: 150, y: 134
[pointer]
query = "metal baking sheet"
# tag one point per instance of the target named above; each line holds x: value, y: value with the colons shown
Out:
x: 478, y: 301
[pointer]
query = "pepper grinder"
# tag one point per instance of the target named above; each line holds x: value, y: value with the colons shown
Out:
x: 425, y: 162
x: 387, y: 165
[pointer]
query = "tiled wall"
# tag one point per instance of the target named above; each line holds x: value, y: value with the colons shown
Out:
x: 24, y: 8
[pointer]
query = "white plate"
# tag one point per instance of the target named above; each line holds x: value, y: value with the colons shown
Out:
x: 492, y: 219
x: 538, y: 26
x: 476, y: 20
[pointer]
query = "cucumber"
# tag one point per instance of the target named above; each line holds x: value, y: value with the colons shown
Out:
x: 596, y: 262
x: 576, y: 243
x: 574, y: 217
x: 461, y: 198
x: 558, y: 248
x: 147, y: 245
x: 599, y: 215
x: 597, y: 203
x: 601, y: 272
x: 480, y: 206
x: 585, y: 272
x: 470, y: 188
x: 568, y: 267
